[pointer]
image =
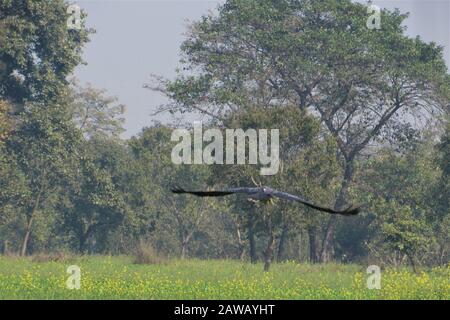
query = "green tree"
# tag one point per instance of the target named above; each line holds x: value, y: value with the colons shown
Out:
x: 442, y: 196
x: 37, y: 49
x: 45, y: 147
x: 13, y: 192
x: 152, y: 151
x: 96, y: 206
x: 319, y: 55
x: 96, y: 114
x: 308, y: 168
x: 398, y: 189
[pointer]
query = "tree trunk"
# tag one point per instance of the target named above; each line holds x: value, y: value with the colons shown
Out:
x: 411, y: 261
x: 84, y: 237
x: 241, y: 246
x: 82, y: 244
x: 26, y: 238
x: 251, y: 240
x: 30, y: 219
x: 327, y: 243
x: 184, y: 244
x: 282, y: 244
x: 313, y: 254
x: 6, y: 247
x: 83, y: 240
x: 268, y: 253
x: 442, y: 254
x: 300, y: 246
x: 183, y: 249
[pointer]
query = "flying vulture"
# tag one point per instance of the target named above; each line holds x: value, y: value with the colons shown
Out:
x: 266, y: 194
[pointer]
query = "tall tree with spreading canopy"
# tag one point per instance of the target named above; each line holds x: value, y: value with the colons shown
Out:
x: 320, y: 55
x: 38, y: 51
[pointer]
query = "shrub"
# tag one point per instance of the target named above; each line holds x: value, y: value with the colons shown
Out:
x: 145, y: 253
x: 43, y: 257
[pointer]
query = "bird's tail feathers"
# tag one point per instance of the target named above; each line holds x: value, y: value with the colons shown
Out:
x: 177, y: 189
x: 352, y: 210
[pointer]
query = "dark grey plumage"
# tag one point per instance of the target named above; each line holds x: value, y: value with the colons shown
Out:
x: 266, y: 194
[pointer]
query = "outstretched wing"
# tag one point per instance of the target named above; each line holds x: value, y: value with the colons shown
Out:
x: 350, y: 211
x: 221, y: 193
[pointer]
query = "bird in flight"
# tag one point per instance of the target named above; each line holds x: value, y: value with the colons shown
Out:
x: 265, y: 195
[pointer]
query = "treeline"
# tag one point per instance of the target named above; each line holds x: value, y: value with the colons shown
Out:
x: 363, y: 118
x: 62, y: 191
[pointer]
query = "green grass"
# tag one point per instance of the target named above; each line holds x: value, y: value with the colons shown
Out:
x: 118, y: 278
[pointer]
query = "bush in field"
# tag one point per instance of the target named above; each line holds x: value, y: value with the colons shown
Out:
x: 145, y: 253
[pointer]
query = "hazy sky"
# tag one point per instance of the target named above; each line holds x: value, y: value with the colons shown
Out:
x: 137, y: 38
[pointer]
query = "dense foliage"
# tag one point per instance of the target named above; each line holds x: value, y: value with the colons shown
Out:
x: 68, y: 182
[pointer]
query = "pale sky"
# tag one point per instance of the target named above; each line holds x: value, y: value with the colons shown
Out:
x: 137, y: 38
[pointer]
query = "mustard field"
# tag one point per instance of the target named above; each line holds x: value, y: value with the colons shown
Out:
x: 118, y: 278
